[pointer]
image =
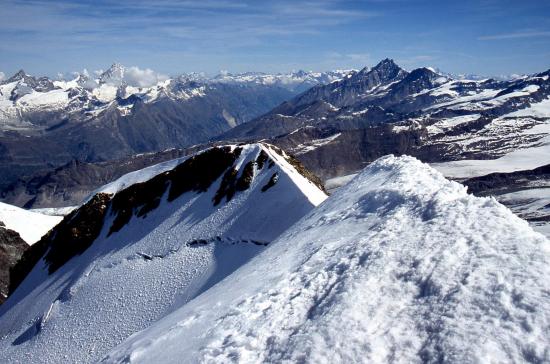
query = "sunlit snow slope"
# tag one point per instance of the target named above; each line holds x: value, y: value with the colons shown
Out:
x: 400, y: 265
x: 163, y: 242
x: 30, y: 225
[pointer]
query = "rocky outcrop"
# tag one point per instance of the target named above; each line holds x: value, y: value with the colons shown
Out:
x: 500, y: 182
x: 70, y: 237
x: 12, y: 248
x: 194, y: 174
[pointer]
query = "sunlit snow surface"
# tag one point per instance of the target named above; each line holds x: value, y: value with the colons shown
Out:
x: 125, y: 282
x: 30, y: 225
x: 400, y: 265
x: 528, y: 134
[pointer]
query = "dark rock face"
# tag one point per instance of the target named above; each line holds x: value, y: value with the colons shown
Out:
x: 301, y: 169
x: 12, y: 248
x: 352, y: 150
x: 272, y: 181
x: 194, y: 174
x: 80, y: 228
x: 505, y: 182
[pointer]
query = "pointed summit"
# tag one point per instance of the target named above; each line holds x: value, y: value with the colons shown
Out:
x: 386, y: 62
x: 114, y: 75
x: 387, y: 66
x: 425, y: 74
x: 20, y: 75
x: 386, y: 71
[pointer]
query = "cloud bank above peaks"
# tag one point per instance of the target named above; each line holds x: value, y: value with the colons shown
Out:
x: 132, y: 76
x: 137, y: 77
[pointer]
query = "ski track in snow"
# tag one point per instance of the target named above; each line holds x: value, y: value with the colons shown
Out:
x: 400, y: 265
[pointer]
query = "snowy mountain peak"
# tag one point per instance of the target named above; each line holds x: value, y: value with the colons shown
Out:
x: 114, y: 75
x: 146, y: 244
x: 401, y: 260
x: 384, y: 72
x: 427, y: 76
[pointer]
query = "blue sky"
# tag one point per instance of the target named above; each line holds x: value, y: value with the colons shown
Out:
x: 488, y: 37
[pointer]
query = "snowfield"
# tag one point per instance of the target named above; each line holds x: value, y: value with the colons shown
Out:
x: 400, y: 265
x: 517, y: 160
x: 30, y: 225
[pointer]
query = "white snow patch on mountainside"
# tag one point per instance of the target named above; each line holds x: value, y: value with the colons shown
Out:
x: 539, y: 109
x: 30, y: 225
x: 314, y: 144
x: 55, y: 211
x: 126, y: 281
x: 517, y: 160
x: 450, y: 123
x: 400, y: 265
x: 522, y: 157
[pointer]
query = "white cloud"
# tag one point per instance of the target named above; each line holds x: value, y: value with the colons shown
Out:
x: 2, y: 76
x: 362, y: 58
x: 517, y: 35
x: 134, y: 76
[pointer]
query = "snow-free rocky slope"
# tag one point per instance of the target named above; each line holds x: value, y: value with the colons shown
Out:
x: 400, y: 265
x: 146, y: 244
x: 69, y: 184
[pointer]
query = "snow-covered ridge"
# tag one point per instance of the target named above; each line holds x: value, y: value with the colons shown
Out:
x: 164, y: 239
x: 398, y: 265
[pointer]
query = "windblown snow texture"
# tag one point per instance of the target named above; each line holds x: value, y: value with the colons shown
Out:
x: 400, y: 265
x: 152, y: 263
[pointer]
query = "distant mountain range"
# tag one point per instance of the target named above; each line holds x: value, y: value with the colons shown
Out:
x: 344, y: 120
x: 340, y: 127
x: 45, y: 122
x: 492, y: 134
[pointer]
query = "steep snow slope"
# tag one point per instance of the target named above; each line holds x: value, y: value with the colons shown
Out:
x: 30, y: 225
x: 142, y: 267
x: 400, y: 265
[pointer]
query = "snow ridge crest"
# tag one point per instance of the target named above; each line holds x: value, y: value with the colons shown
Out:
x: 404, y: 262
